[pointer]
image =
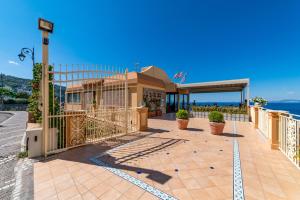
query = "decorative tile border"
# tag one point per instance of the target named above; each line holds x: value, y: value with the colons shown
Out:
x: 154, y: 191
x: 238, y: 189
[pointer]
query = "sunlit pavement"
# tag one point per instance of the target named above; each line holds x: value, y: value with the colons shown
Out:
x: 167, y: 163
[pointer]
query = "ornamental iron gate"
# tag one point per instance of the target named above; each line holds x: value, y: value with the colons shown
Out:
x: 86, y: 104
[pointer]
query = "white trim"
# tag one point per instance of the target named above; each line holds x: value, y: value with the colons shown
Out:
x: 238, y: 188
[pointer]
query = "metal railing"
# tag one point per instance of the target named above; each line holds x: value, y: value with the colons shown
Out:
x: 87, y: 104
x: 289, y: 137
x: 227, y: 116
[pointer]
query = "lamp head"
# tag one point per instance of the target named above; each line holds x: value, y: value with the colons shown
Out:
x: 21, y: 56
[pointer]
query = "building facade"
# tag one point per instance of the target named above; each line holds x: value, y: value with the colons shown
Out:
x: 151, y: 88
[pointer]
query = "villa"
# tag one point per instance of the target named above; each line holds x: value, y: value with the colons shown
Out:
x: 114, y: 135
x: 107, y: 116
x: 151, y: 88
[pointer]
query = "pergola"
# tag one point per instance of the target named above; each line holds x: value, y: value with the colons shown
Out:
x: 237, y: 85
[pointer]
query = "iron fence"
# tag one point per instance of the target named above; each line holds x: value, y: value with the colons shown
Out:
x: 289, y: 137
x: 87, y: 104
x: 227, y: 116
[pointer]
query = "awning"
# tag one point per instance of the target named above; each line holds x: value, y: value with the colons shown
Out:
x: 236, y: 85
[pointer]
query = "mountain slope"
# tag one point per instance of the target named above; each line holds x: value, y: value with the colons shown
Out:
x: 15, y: 83
x: 21, y: 84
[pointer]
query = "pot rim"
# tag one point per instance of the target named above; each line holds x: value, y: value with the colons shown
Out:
x: 182, y: 119
x: 217, y: 122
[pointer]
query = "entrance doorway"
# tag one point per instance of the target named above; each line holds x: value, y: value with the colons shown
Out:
x: 175, y: 101
x: 171, y: 102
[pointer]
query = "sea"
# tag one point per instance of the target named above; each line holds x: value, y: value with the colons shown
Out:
x: 292, y: 108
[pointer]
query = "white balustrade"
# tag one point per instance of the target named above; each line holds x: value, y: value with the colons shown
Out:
x: 263, y: 122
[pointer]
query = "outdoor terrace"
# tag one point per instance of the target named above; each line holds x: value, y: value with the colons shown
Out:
x: 171, y: 164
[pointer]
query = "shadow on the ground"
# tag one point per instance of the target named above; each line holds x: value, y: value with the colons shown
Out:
x: 157, y: 130
x: 195, y: 129
x: 231, y: 135
x: 138, y: 152
x: 84, y: 153
x: 153, y: 175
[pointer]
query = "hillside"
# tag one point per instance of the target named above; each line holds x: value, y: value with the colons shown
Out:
x: 15, y: 83
x: 20, y: 84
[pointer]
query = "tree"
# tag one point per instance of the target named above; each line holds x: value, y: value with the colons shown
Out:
x: 22, y: 95
x: 5, y: 92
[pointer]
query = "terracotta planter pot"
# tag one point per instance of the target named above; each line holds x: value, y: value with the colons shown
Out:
x: 182, y: 123
x: 158, y: 113
x: 151, y: 114
x: 216, y: 128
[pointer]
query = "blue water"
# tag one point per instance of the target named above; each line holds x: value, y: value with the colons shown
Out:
x: 293, y: 108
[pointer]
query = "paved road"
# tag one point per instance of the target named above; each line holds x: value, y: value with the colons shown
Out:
x: 4, y: 116
x: 15, y: 174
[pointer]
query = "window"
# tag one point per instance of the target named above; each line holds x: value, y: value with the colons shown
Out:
x: 73, y: 97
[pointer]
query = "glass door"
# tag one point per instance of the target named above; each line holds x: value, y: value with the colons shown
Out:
x: 171, y: 102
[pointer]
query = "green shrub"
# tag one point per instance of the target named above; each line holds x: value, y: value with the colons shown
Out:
x: 216, y: 116
x: 182, y: 114
x: 7, y: 92
x: 23, y: 154
x: 222, y: 109
x: 16, y: 101
x: 34, y: 99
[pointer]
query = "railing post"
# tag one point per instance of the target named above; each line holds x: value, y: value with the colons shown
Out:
x: 274, y: 129
x: 126, y: 101
x: 256, y: 116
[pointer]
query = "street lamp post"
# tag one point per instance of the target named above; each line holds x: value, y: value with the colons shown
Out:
x: 26, y: 51
x: 46, y: 27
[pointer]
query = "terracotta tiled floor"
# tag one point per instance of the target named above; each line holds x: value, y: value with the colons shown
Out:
x: 190, y: 164
x: 267, y: 173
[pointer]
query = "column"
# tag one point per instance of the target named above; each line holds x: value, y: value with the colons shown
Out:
x: 274, y: 129
x: 142, y: 118
x: 256, y: 116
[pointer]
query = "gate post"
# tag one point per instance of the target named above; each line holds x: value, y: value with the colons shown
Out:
x: 126, y: 101
x: 45, y: 93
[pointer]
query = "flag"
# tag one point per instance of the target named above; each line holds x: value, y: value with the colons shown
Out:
x: 178, y: 75
x: 183, y: 78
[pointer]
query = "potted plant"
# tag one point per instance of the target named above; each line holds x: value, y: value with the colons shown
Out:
x: 216, y: 122
x: 182, y: 118
x: 259, y: 101
x: 158, y: 108
x: 152, y: 110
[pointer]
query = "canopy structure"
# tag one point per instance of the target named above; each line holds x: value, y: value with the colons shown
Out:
x: 237, y: 85
x: 216, y: 86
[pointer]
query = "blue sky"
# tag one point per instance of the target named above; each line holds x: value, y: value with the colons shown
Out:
x: 210, y: 40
